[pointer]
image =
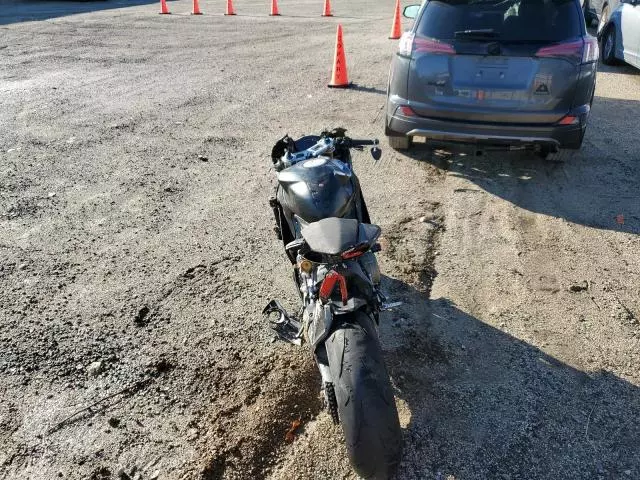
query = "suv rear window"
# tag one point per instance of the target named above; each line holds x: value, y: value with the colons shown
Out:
x: 519, y: 21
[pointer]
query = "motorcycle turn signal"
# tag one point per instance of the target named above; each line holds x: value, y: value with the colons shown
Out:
x: 305, y: 265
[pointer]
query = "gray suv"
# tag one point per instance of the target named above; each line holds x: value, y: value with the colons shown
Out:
x: 518, y: 74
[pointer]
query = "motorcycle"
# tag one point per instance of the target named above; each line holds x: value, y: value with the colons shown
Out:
x: 322, y: 219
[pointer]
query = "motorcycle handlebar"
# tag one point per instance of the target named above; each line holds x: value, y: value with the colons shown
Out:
x: 362, y: 143
x: 283, y: 157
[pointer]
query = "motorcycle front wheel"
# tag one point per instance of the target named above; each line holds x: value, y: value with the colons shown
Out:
x: 366, y: 407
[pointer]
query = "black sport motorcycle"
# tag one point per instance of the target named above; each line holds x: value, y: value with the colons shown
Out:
x: 323, y: 222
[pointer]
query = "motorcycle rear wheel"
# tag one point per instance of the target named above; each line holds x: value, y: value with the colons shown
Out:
x: 366, y: 406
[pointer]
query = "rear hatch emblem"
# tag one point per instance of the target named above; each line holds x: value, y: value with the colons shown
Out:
x: 541, y: 84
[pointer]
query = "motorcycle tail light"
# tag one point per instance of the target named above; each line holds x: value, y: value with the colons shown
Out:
x: 328, y: 285
x: 355, y: 252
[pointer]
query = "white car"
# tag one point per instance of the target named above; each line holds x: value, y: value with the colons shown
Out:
x: 620, y: 35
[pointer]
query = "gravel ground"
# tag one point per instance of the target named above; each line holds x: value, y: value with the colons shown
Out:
x: 136, y: 253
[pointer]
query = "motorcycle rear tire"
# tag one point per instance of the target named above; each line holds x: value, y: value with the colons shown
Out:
x: 366, y: 406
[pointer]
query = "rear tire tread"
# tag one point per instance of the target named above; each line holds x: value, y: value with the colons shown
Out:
x: 332, y: 403
x: 366, y: 405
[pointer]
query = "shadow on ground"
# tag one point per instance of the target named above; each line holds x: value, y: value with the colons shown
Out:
x: 590, y: 187
x: 486, y: 405
x: 32, y: 10
x: 622, y: 69
x: 366, y: 89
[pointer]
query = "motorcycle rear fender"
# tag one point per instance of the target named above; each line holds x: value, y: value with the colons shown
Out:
x: 359, y: 286
x: 329, y: 324
x: 322, y: 360
x: 324, y: 316
x: 324, y: 319
x: 320, y: 327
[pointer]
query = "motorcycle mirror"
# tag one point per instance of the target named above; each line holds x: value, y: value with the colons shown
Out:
x: 376, y: 153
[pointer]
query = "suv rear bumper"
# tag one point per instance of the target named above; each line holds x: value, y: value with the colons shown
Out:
x: 519, y: 136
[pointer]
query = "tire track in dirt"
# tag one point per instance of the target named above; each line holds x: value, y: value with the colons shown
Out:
x: 253, y: 400
x: 518, y: 331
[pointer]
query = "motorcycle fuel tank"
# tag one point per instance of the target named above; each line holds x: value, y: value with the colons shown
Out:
x: 317, y: 188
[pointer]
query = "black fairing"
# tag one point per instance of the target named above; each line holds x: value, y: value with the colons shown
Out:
x: 327, y: 190
x: 317, y: 188
x: 333, y: 236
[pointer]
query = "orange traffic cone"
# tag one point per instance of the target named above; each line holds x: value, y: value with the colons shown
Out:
x: 230, y: 10
x: 163, y: 8
x: 327, y: 9
x: 274, y: 8
x: 339, y: 74
x: 196, y: 8
x: 396, y: 29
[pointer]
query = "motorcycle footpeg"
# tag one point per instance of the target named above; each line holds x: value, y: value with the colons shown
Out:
x: 385, y: 304
x: 390, y: 305
x: 286, y: 327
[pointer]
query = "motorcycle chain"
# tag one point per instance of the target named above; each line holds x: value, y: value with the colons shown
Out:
x: 332, y: 403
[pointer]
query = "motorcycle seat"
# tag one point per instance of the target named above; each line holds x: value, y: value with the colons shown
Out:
x: 333, y: 236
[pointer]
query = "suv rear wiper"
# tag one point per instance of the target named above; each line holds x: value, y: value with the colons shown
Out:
x: 479, y: 34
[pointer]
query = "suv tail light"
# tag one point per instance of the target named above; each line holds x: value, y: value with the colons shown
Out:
x: 569, y: 120
x: 584, y: 50
x: 591, y: 51
x: 410, y: 44
x: 407, y: 111
x: 405, y: 46
x: 329, y: 283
